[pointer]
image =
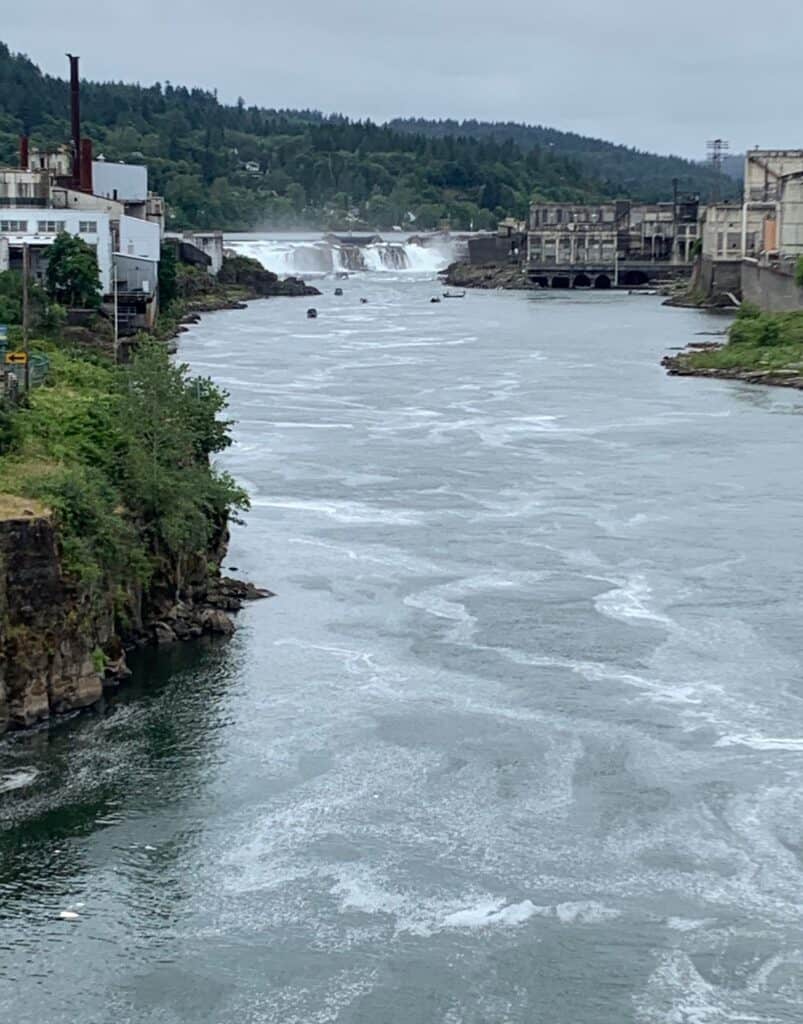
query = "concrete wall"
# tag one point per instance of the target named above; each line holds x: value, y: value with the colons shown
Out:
x: 488, y: 249
x: 126, y: 182
x: 63, y: 198
x: 210, y: 242
x: 791, y: 240
x: 771, y: 290
x: 764, y: 167
x: 719, y: 277
x: 139, y: 238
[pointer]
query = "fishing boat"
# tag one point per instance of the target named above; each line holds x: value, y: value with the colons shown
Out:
x: 454, y: 295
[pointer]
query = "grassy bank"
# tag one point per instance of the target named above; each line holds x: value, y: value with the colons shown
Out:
x: 758, y: 343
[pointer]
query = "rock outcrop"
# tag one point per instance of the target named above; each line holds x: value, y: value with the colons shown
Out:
x: 48, y: 630
x: 487, y: 275
x: 680, y: 365
x: 61, y: 643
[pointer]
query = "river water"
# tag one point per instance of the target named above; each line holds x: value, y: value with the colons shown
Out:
x: 519, y: 740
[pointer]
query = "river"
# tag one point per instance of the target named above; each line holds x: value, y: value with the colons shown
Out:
x: 519, y: 740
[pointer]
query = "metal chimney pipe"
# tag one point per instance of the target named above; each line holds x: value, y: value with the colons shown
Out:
x: 75, y: 115
x: 86, y: 166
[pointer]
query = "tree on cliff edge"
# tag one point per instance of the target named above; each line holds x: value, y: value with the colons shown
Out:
x: 73, y: 277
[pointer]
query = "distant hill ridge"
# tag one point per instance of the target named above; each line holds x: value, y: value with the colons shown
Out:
x: 618, y: 168
x: 239, y: 167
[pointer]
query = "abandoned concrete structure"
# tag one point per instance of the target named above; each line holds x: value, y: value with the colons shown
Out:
x: 608, y: 244
x: 752, y: 248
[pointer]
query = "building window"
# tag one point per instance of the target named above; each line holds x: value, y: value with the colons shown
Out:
x: 13, y: 226
x: 87, y: 227
x: 50, y: 227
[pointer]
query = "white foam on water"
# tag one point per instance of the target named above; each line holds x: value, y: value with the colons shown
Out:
x: 585, y: 912
x: 676, y: 993
x: 17, y: 780
x: 629, y: 601
x: 761, y: 742
x: 393, y: 259
x: 688, y: 924
x: 341, y: 511
x: 491, y: 914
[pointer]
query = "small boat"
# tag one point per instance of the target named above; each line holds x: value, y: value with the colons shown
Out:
x: 363, y: 302
x: 434, y: 299
x: 338, y: 291
x: 312, y: 313
x: 454, y: 295
x: 342, y: 275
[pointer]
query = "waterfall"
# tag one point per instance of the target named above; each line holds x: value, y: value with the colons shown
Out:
x: 316, y: 257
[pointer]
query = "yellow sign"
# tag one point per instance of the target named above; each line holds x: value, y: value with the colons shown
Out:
x: 17, y: 357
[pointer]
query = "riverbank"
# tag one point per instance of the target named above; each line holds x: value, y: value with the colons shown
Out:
x: 241, y: 280
x: 487, y: 275
x: 113, y: 526
x: 761, y: 348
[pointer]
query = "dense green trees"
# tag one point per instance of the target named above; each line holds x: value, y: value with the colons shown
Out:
x: 618, y: 169
x: 73, y: 277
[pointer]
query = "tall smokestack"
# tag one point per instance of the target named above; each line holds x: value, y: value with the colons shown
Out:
x: 86, y: 166
x: 24, y: 154
x: 75, y: 115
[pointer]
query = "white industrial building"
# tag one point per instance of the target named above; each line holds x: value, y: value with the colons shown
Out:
x: 38, y: 227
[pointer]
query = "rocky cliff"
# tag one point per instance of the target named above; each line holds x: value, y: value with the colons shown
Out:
x: 60, y: 644
x: 48, y: 632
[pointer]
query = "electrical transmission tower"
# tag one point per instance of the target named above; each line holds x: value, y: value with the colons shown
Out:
x: 717, y: 148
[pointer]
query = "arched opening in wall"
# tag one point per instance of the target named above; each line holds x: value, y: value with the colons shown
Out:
x: 635, y: 278
x: 541, y: 281
x: 602, y: 281
x: 582, y: 281
x: 559, y: 281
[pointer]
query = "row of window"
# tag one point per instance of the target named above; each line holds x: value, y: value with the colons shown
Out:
x: 47, y: 227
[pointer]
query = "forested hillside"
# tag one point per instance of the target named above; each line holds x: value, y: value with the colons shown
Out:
x: 618, y: 169
x: 239, y: 167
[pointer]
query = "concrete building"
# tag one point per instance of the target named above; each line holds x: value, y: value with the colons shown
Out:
x: 23, y: 187
x: 210, y: 242
x: 38, y: 227
x: 128, y: 184
x: 581, y: 245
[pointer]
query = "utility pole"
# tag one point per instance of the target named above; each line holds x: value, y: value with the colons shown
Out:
x: 26, y: 270
x: 717, y: 148
x: 116, y: 319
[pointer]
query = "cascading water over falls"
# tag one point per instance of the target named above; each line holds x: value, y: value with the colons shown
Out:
x: 287, y: 256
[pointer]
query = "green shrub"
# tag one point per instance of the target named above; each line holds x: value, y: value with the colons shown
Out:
x: 121, y: 456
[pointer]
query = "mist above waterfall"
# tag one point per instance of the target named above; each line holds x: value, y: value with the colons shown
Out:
x: 317, y: 255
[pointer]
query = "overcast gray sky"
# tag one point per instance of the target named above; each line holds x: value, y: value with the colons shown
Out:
x: 660, y: 77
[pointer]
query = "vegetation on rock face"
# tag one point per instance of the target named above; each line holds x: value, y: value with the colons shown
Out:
x: 73, y: 277
x: 121, y: 457
x: 167, y: 275
x: 242, y: 167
